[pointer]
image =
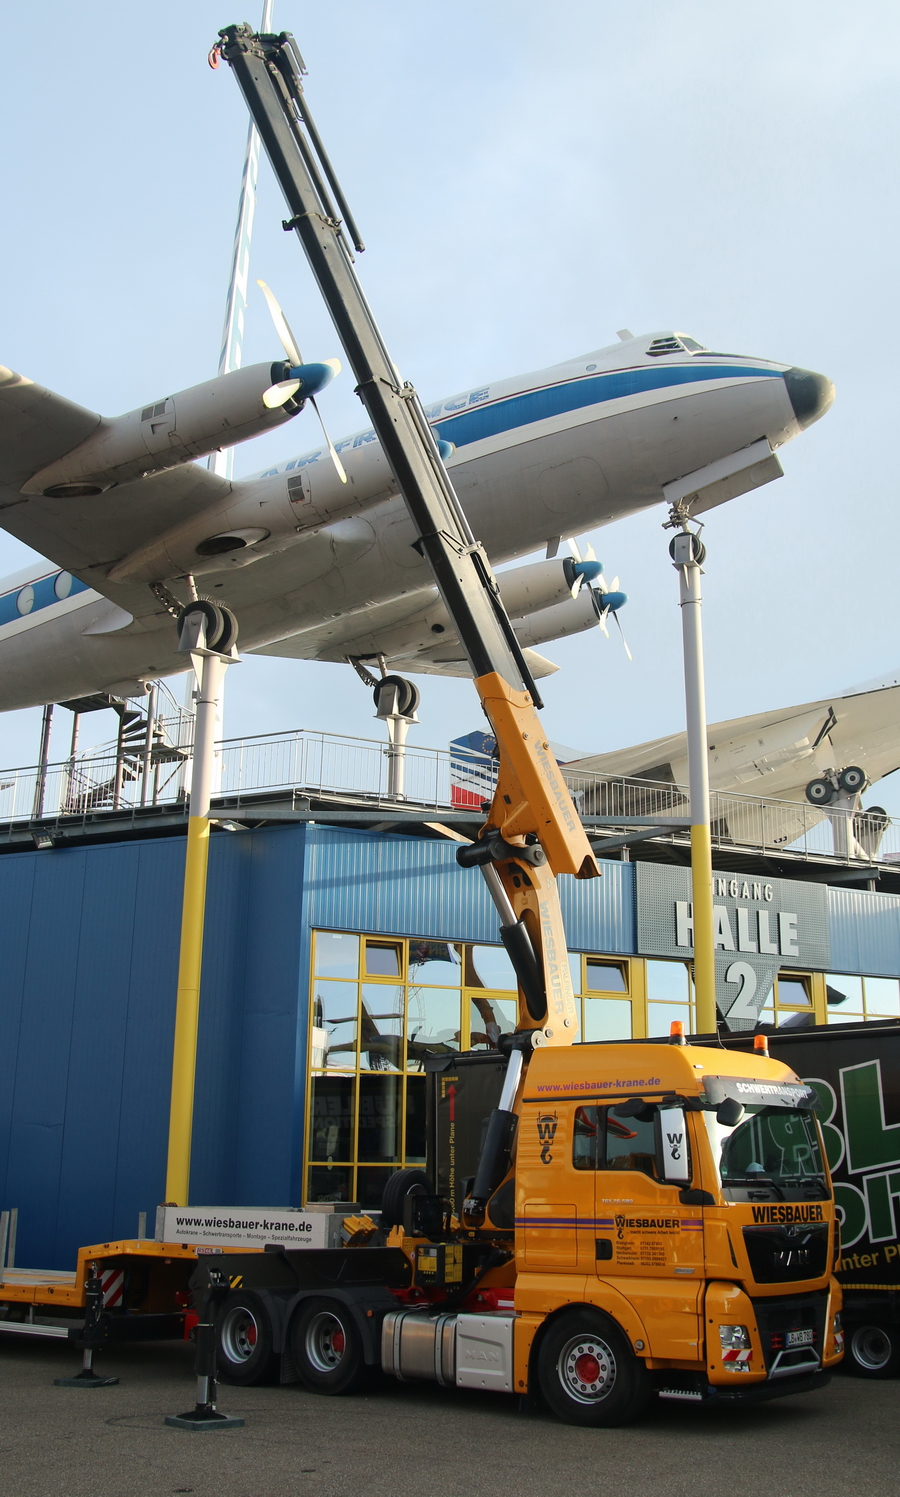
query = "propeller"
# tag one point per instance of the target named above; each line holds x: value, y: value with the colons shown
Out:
x: 581, y: 569
x: 605, y: 596
x: 307, y: 379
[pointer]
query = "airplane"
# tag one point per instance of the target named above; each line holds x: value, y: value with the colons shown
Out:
x: 316, y: 568
x: 816, y: 754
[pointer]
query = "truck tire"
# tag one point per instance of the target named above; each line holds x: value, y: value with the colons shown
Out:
x: 400, y: 1184
x: 244, y: 1341
x: 873, y: 1350
x: 588, y: 1373
x: 327, y: 1348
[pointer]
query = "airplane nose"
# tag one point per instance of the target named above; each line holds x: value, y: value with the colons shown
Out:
x: 810, y: 394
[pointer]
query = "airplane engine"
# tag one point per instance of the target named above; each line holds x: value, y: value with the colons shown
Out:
x: 547, y: 624
x: 541, y: 584
x: 171, y: 431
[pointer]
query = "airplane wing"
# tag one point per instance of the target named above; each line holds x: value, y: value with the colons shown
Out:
x: 36, y: 428
x: 367, y: 634
x: 85, y: 536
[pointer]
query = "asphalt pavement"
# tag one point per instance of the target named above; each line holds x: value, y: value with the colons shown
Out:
x: 408, y: 1440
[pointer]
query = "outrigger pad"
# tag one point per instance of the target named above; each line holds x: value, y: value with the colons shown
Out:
x: 85, y: 1380
x: 201, y: 1420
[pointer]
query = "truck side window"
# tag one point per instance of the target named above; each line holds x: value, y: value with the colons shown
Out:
x: 586, y: 1136
x: 630, y: 1143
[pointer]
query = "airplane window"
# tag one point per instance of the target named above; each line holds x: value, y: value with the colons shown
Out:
x: 692, y: 345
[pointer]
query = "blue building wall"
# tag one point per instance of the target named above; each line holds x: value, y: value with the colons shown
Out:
x: 89, y: 941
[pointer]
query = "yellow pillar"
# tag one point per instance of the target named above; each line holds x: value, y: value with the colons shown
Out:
x: 187, y: 1012
x: 704, y: 953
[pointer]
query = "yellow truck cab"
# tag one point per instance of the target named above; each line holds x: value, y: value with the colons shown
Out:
x: 674, y: 1230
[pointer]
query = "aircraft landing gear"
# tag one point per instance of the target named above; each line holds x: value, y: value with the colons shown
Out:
x: 396, y: 700
x: 396, y: 703
x: 839, y: 790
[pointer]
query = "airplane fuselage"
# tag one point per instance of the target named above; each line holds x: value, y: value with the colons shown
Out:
x: 566, y: 450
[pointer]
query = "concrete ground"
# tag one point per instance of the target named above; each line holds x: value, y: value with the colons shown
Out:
x: 418, y: 1441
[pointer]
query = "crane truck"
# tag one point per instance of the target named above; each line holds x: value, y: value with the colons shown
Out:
x: 602, y: 1222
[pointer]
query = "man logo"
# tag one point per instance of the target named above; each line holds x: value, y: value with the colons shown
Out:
x: 546, y: 1127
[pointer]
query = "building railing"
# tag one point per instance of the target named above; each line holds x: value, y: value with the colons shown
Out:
x: 334, y: 766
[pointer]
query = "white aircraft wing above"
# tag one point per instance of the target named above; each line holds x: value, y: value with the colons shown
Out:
x: 775, y: 754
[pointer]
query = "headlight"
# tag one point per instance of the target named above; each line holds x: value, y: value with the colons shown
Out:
x: 734, y: 1337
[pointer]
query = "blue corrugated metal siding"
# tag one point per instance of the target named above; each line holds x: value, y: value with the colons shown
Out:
x: 87, y: 1004
x: 401, y: 886
x: 865, y: 932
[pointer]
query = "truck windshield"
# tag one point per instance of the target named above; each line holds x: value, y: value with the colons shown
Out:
x: 773, y: 1148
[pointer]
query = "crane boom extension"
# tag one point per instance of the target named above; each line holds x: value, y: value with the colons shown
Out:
x: 533, y: 831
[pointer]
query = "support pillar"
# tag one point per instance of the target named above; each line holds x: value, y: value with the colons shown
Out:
x: 687, y: 552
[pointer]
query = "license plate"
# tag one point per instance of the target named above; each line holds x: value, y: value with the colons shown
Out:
x: 799, y: 1338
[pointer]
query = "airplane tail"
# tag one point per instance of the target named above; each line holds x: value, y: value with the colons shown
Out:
x: 473, y: 768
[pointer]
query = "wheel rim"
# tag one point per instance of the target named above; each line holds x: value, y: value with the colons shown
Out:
x: 871, y: 1348
x: 325, y: 1342
x: 239, y: 1334
x: 587, y: 1369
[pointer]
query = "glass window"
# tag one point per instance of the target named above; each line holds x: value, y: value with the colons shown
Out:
x: 792, y: 992
x: 575, y: 969
x: 432, y: 1023
x: 489, y: 1018
x: 331, y: 1118
x: 771, y: 1146
x: 631, y: 1142
x: 370, y: 1183
x: 330, y: 1182
x: 844, y: 998
x: 336, y: 955
x: 415, y: 1120
x: 607, y: 1019
x: 334, y: 1012
x: 383, y: 959
x: 586, y: 1137
x: 489, y: 967
x: 605, y: 977
x: 667, y: 982
x: 435, y: 962
x: 381, y: 1027
x: 882, y: 997
x: 660, y: 1017
x: 380, y: 1104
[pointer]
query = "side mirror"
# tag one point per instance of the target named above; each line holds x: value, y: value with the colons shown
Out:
x: 730, y: 1112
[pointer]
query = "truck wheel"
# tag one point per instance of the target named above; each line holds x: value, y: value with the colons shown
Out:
x: 327, y: 1348
x: 244, y: 1351
x: 874, y: 1351
x: 588, y: 1373
x: 400, y: 1184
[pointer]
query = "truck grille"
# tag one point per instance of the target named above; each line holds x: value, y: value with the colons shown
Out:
x: 781, y: 1255
x: 792, y: 1331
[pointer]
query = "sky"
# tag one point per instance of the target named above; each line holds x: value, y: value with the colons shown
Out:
x: 528, y: 180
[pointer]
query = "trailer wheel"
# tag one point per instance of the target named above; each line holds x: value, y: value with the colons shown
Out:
x: 874, y: 1351
x: 588, y: 1373
x: 327, y: 1348
x: 244, y: 1351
